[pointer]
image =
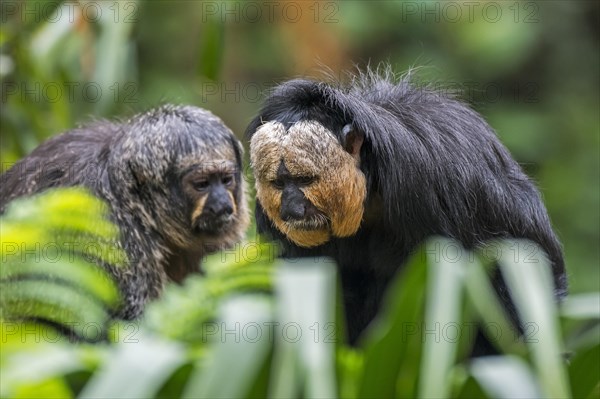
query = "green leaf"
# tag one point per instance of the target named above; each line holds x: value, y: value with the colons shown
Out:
x: 528, y: 277
x: 235, y: 361
x: 53, y: 302
x: 199, y: 297
x: 442, y: 317
x: 505, y: 377
x: 350, y: 370
x: 136, y: 370
x: 392, y: 343
x: 46, y: 364
x: 47, y: 389
x: 174, y: 386
x: 88, y: 277
x: 584, y: 335
x: 582, y: 306
x: 304, y: 358
x: 44, y: 275
x: 60, y: 223
x: 584, y: 372
x: 497, y: 326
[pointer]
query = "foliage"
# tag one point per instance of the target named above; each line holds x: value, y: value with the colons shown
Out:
x: 49, y: 246
x: 255, y: 327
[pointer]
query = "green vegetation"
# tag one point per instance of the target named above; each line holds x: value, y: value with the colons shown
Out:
x: 48, y: 246
x: 255, y: 327
x: 531, y: 70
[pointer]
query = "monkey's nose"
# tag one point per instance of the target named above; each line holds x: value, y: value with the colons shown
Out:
x: 290, y: 213
x: 218, y: 210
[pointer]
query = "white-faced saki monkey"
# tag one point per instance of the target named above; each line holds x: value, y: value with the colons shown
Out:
x: 363, y: 173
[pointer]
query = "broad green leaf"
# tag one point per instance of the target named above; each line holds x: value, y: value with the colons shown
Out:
x: 392, y: 343
x: 497, y: 326
x: 173, y: 387
x: 528, y: 277
x: 584, y: 372
x: 586, y: 334
x: 47, y: 389
x: 45, y: 364
x: 136, y: 370
x: 505, y: 377
x: 582, y: 306
x: 304, y: 358
x: 237, y: 356
x: 442, y: 328
x: 350, y: 369
x: 465, y: 386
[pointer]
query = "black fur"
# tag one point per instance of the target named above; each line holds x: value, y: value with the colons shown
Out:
x: 433, y: 167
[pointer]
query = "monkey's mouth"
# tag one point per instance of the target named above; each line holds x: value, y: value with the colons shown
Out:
x: 213, y: 225
x: 314, y: 222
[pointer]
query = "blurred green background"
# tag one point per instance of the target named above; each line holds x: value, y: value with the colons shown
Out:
x: 531, y: 68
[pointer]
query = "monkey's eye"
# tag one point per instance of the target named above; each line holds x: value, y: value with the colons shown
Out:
x: 304, y: 180
x: 227, y: 180
x: 201, y: 185
x: 278, y: 184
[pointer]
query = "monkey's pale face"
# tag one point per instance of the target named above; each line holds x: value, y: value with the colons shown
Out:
x: 308, y: 185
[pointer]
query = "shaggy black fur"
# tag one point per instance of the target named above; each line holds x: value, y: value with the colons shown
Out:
x: 433, y: 167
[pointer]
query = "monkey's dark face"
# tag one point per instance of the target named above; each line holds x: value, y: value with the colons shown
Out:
x: 211, y: 191
x: 310, y: 187
x: 184, y: 165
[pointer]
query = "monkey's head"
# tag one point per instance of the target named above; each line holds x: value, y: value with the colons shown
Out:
x: 308, y: 178
x: 183, y: 167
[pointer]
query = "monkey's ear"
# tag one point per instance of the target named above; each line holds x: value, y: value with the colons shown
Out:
x: 352, y: 140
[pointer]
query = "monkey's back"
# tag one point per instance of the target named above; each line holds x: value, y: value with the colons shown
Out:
x: 75, y: 158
